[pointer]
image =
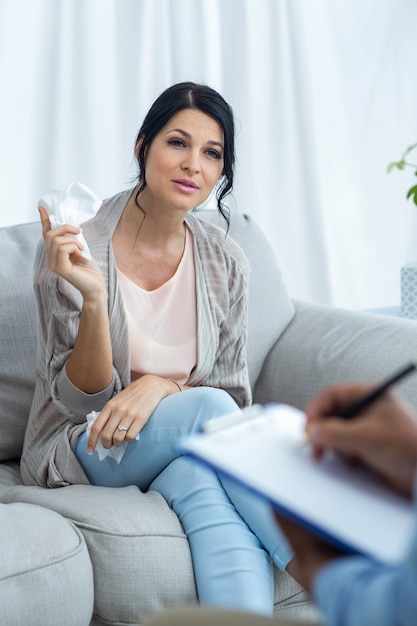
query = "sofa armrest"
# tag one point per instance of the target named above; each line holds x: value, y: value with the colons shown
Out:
x: 326, y: 345
x: 46, y: 574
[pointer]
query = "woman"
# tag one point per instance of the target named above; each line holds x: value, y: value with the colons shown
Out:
x: 151, y: 334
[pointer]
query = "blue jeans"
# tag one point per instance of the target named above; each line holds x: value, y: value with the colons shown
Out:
x: 232, y: 534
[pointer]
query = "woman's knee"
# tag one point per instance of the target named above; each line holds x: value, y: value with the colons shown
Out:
x: 213, y: 401
x: 190, y: 410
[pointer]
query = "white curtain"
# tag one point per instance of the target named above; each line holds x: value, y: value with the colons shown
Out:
x: 324, y: 93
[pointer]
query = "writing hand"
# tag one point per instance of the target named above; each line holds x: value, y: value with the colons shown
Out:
x: 383, y: 436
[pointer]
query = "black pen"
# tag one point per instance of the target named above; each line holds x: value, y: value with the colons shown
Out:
x: 356, y: 407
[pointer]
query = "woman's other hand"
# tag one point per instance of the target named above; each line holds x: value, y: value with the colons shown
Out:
x: 131, y: 409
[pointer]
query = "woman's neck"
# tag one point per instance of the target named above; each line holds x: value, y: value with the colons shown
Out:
x: 148, y: 246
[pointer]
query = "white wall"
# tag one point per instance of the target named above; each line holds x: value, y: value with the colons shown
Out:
x: 324, y: 93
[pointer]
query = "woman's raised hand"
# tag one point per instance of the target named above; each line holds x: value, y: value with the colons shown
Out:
x: 64, y: 253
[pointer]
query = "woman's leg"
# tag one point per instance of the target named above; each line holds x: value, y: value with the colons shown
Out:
x: 258, y: 515
x: 175, y: 417
x: 232, y: 570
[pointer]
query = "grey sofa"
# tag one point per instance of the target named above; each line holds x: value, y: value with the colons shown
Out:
x: 84, y: 555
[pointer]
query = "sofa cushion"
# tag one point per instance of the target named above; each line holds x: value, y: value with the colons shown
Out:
x: 139, y: 551
x: 140, y: 554
x: 46, y: 576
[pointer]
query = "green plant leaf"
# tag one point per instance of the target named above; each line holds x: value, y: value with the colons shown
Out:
x: 413, y: 192
x: 398, y: 164
x: 409, y: 149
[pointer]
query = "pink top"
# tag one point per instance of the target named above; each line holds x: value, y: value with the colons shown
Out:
x: 163, y: 323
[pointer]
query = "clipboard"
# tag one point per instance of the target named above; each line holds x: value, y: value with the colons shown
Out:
x: 262, y: 448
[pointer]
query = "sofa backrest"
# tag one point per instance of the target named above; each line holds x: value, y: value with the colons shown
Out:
x: 270, y: 310
x: 18, y: 334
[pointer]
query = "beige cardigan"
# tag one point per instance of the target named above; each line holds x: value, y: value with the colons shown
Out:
x: 58, y: 413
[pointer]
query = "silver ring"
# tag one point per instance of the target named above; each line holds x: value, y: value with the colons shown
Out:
x: 120, y: 427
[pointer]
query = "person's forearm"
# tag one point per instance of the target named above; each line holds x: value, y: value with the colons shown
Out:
x: 359, y: 592
x: 90, y: 365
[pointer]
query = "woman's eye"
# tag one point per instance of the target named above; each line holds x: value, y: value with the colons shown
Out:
x: 214, y: 154
x: 176, y: 142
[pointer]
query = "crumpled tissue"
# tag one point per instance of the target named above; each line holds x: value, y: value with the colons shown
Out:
x: 115, y: 452
x: 73, y: 206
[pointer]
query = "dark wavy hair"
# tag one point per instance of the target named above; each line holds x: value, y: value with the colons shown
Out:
x: 190, y: 95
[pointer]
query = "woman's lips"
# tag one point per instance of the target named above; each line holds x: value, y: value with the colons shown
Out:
x: 186, y: 186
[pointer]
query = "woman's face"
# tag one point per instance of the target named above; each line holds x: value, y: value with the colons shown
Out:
x: 184, y: 161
